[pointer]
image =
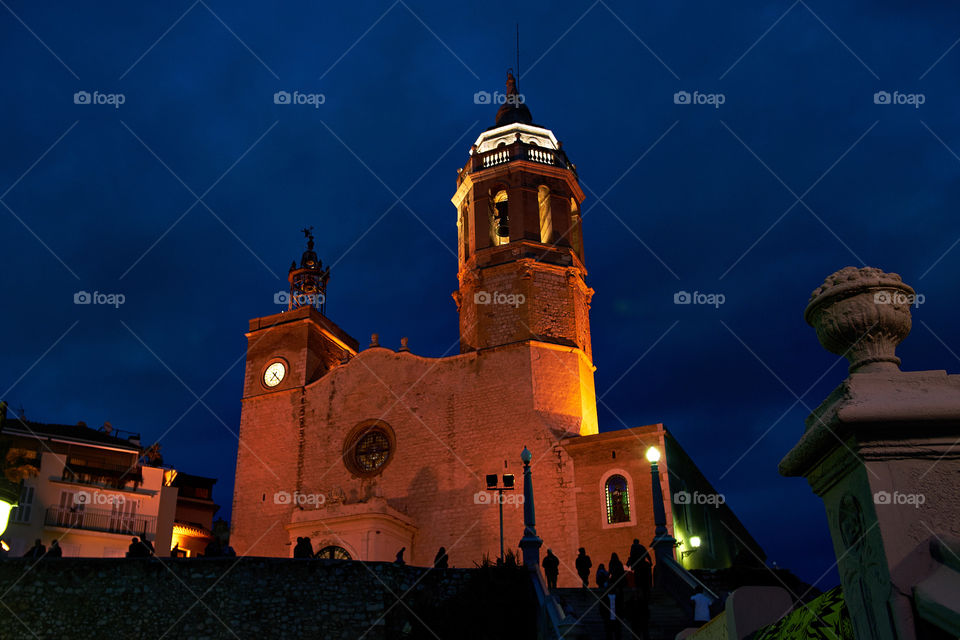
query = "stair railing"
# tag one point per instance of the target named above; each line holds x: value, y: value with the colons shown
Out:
x: 550, y: 619
x: 679, y: 583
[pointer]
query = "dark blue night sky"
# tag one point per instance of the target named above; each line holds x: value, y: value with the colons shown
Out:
x: 798, y: 173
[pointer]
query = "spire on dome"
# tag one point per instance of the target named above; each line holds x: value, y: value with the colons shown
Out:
x: 513, y: 109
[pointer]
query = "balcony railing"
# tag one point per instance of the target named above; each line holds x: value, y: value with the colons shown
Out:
x: 105, y: 520
x: 519, y: 151
x: 117, y: 476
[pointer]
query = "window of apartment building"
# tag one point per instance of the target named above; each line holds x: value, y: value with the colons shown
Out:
x: 21, y: 513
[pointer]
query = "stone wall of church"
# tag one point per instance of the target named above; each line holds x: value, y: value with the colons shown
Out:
x: 454, y: 420
x: 524, y: 299
x: 246, y: 598
x: 266, y: 464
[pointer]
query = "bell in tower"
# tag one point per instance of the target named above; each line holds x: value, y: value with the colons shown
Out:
x: 308, y: 281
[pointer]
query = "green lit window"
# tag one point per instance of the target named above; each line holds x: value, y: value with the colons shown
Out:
x: 618, y: 500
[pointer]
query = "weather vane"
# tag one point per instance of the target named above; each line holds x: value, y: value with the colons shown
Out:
x: 308, y: 234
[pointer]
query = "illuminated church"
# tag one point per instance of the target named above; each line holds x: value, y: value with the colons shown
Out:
x: 367, y: 451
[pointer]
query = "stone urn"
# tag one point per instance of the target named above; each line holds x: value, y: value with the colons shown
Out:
x: 862, y: 314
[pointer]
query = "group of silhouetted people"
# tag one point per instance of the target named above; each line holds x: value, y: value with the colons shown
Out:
x: 140, y: 548
x: 38, y: 550
x: 624, y: 591
x: 440, y: 561
x: 303, y: 548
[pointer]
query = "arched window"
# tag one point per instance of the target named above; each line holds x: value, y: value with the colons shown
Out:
x: 576, y: 239
x: 463, y: 230
x: 618, y: 500
x: 333, y: 553
x: 546, y: 215
x: 500, y: 219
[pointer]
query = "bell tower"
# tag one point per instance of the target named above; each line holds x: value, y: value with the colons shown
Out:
x: 520, y: 250
x: 308, y: 281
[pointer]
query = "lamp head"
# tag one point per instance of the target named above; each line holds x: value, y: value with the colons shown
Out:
x: 695, y: 542
x: 9, y: 494
x: 653, y: 455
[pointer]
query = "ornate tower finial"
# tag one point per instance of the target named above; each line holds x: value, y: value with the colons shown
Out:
x: 308, y: 233
x: 513, y: 110
x: 511, y: 83
x: 308, y: 282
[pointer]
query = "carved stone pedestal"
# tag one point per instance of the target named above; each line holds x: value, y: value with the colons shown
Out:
x: 881, y: 452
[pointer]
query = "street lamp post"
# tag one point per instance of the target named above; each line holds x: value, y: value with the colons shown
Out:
x: 663, y: 543
x: 493, y: 484
x: 530, y: 542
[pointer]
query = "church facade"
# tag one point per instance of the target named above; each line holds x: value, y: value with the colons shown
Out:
x: 367, y: 451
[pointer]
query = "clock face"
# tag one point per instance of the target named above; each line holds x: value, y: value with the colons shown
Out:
x: 274, y: 374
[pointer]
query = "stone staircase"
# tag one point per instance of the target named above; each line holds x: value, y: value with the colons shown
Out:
x: 667, y: 617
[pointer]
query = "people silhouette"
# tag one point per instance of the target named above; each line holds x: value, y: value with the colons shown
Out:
x: 399, y: 559
x: 135, y: 549
x: 613, y: 597
x: 603, y: 577
x: 583, y: 565
x: 641, y: 564
x: 616, y: 572
x: 36, y: 551
x: 441, y: 560
x: 701, y: 606
x: 304, y: 548
x: 551, y: 569
x: 55, y: 550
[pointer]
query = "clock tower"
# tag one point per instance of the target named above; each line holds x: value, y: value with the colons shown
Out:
x: 300, y: 344
x: 286, y: 352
